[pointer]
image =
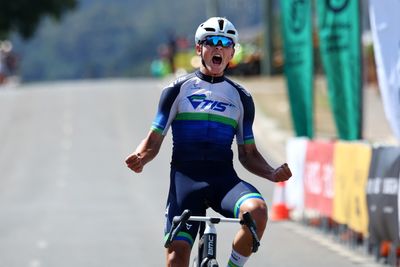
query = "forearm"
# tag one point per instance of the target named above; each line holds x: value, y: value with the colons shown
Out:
x: 255, y: 163
x: 145, y: 152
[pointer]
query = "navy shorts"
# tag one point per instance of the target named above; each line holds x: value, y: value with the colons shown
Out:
x: 200, y: 185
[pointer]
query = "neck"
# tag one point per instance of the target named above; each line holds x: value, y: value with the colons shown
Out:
x: 207, y: 72
x: 210, y: 78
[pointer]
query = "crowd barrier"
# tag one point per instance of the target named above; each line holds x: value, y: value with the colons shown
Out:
x: 348, y: 185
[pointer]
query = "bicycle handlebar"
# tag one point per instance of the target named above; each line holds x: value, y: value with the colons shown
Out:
x: 178, y: 221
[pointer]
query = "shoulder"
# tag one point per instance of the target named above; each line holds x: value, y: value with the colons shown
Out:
x: 240, y: 89
x: 181, y: 80
x: 172, y: 90
x: 245, y: 96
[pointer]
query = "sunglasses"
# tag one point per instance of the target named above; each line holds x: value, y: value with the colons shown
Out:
x: 218, y: 40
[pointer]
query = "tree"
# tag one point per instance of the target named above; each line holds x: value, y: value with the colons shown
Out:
x: 23, y: 16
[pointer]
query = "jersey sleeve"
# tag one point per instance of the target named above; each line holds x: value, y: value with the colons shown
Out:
x: 244, y: 133
x: 167, y: 109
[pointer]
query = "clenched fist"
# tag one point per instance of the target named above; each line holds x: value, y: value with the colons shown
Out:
x: 134, y: 162
x: 282, y: 173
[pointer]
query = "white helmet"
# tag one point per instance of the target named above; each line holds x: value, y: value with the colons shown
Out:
x: 216, y: 26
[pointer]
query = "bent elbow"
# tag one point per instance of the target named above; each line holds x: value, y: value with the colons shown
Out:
x: 243, y: 159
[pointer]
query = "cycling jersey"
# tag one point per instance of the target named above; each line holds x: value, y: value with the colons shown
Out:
x: 205, y: 114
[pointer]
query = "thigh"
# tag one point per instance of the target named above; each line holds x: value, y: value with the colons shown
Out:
x: 236, y: 196
x: 184, y: 193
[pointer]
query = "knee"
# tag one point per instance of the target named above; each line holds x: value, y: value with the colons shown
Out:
x: 258, y: 210
x: 174, y: 258
x: 178, y: 254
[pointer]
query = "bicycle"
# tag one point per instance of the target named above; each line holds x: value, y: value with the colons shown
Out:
x: 207, y: 246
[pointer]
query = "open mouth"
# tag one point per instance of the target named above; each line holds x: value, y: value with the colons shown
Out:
x: 217, y: 59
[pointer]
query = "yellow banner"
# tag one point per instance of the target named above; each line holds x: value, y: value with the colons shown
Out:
x: 351, y: 165
x: 358, y: 220
x: 342, y: 162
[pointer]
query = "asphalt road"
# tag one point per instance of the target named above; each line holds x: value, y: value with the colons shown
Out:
x: 67, y: 199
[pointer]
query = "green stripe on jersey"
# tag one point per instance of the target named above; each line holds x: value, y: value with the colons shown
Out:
x: 157, y: 130
x: 206, y: 117
x: 249, y: 141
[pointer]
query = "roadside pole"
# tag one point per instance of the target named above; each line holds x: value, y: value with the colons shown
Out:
x: 212, y: 8
x: 267, y: 44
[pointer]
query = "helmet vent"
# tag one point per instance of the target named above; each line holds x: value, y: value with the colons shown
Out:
x: 209, y: 29
x: 231, y: 32
x: 221, y: 24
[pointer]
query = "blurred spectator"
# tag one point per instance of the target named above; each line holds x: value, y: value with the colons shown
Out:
x: 160, y: 68
x: 2, y: 66
x: 172, y: 52
x: 8, y: 61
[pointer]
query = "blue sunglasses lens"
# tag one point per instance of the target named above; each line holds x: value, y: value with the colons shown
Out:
x: 218, y: 40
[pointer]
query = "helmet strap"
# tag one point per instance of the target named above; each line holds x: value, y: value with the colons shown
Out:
x: 202, y: 59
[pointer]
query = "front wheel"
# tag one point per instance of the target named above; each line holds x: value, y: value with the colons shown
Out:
x: 212, y: 263
x: 206, y: 263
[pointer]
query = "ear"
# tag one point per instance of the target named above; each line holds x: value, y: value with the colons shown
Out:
x: 198, y: 49
x: 233, y: 52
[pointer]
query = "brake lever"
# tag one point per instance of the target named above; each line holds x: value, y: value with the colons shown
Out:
x: 177, y: 222
x: 249, y: 222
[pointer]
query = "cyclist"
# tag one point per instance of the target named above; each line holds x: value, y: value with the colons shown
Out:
x: 206, y: 110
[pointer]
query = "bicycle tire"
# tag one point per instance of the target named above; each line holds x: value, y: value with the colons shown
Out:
x: 212, y: 263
